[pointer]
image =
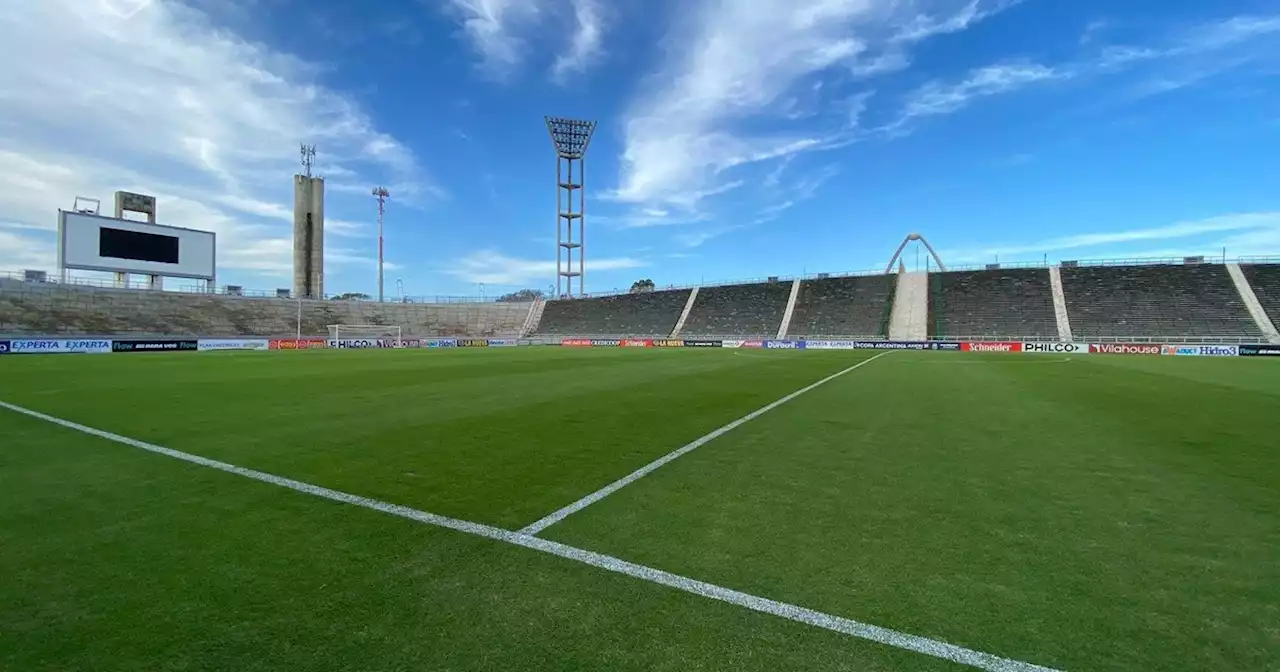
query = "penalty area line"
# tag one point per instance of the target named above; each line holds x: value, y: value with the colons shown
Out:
x: 874, y: 633
x: 557, y: 516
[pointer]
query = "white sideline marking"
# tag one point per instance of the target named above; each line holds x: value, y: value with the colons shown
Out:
x: 640, y: 473
x: 901, y: 640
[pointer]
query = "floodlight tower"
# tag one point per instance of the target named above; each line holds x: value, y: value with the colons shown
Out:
x: 382, y: 195
x: 570, y: 137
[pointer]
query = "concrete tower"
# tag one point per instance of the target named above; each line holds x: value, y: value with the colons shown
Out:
x: 308, y: 237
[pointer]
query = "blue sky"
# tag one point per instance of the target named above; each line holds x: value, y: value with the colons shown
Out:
x: 736, y: 139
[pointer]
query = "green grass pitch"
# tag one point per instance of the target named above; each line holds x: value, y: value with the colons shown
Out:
x: 1090, y: 513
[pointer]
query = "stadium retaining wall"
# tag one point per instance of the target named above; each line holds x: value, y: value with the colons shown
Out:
x: 49, y: 346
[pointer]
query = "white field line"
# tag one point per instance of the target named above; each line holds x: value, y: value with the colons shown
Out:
x: 640, y: 473
x: 901, y: 640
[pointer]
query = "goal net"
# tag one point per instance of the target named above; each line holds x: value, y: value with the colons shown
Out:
x: 372, y: 332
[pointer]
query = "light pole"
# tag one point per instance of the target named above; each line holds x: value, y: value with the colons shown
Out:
x: 570, y: 137
x: 382, y: 194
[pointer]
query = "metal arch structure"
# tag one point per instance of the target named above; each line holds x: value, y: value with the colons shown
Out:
x: 570, y: 138
x: 910, y: 237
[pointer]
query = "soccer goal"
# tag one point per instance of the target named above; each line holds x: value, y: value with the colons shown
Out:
x: 347, y: 332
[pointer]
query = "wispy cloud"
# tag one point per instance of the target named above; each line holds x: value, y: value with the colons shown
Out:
x: 586, y: 44
x: 493, y: 267
x: 740, y: 60
x: 1253, y: 233
x: 1191, y: 46
x: 494, y: 28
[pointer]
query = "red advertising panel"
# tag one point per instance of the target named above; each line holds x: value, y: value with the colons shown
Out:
x: 295, y: 343
x: 576, y: 343
x: 637, y: 343
x: 1126, y: 348
x: 991, y: 346
x: 753, y: 344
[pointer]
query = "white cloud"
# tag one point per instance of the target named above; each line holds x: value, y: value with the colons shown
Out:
x: 492, y: 267
x: 163, y: 103
x: 587, y: 41
x: 741, y: 59
x: 493, y: 27
x: 936, y: 98
x: 1252, y: 234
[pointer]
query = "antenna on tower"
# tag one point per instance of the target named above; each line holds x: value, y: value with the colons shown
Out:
x: 382, y: 195
x: 308, y: 158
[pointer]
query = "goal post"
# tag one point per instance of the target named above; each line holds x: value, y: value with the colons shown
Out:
x: 346, y: 332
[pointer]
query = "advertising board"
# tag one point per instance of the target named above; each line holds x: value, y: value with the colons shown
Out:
x: 576, y: 343
x: 503, y: 342
x: 637, y: 343
x: 831, y: 345
x: 208, y: 344
x: 295, y: 343
x: 1125, y: 348
x: 155, y: 346
x: 753, y: 344
x: 1201, y: 350
x: 4, y: 347
x: 50, y: 346
x: 442, y: 343
x: 1260, y: 350
x: 473, y: 343
x: 362, y: 343
x: 731, y: 344
x: 668, y: 343
x: 1057, y: 348
x: 605, y: 342
x: 946, y: 345
x: 991, y: 346
x: 889, y: 345
x: 784, y: 345
x: 692, y: 343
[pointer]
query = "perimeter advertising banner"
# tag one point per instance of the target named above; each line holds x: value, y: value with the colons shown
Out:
x: 4, y: 347
x: 991, y: 346
x: 296, y: 343
x: 50, y: 346
x: 1125, y: 348
x: 473, y: 343
x: 576, y: 342
x: 731, y: 344
x: 503, y: 342
x: 208, y: 344
x: 1261, y: 350
x: 752, y: 344
x: 361, y: 343
x: 668, y: 343
x: 1057, y: 348
x: 637, y: 343
x: 688, y: 343
x: 1201, y: 350
x: 442, y: 343
x: 783, y: 345
x: 946, y: 345
x: 155, y: 346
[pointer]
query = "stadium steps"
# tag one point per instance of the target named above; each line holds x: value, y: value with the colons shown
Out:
x: 791, y: 309
x: 684, y: 314
x: 841, y: 307
x: 1156, y: 301
x: 1060, y: 305
x: 996, y: 304
x: 909, y: 320
x: 1251, y: 302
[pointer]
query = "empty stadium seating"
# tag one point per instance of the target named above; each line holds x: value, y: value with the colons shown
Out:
x: 1158, y: 301
x: 1003, y: 303
x: 640, y: 314
x: 50, y: 309
x: 1265, y: 281
x: 853, y: 306
x: 738, y: 310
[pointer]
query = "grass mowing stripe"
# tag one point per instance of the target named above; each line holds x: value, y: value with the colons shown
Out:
x: 894, y: 638
x: 640, y: 473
